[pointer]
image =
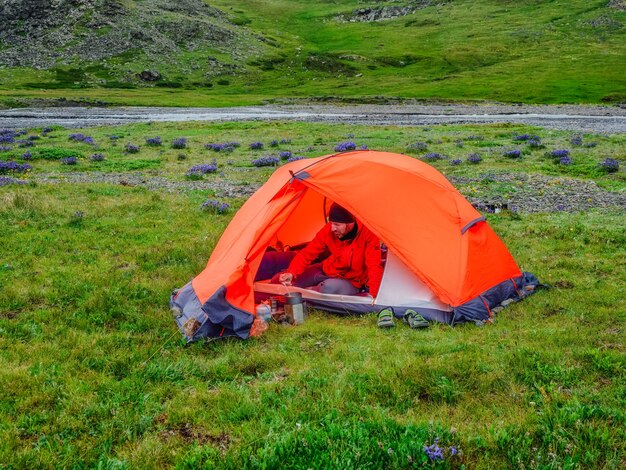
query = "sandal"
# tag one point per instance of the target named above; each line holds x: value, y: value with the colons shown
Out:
x: 385, y: 318
x: 414, y: 319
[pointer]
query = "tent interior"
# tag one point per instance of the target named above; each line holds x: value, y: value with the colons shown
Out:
x: 400, y: 287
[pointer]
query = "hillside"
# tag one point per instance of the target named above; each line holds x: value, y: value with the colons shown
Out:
x: 192, y: 52
x: 85, y: 43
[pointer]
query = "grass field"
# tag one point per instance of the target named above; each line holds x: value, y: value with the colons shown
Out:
x: 95, y: 374
x: 460, y: 50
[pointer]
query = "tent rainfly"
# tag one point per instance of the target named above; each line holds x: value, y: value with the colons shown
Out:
x: 443, y: 260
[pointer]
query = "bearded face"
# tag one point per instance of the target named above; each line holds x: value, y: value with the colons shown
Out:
x: 340, y: 230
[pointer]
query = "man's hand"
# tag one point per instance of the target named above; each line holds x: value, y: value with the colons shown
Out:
x: 285, y: 278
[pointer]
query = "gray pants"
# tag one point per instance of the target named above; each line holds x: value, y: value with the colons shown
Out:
x: 275, y: 262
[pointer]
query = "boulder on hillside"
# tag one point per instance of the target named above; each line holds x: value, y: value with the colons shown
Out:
x: 149, y: 75
x: 389, y: 12
x: 617, y: 4
x: 158, y: 33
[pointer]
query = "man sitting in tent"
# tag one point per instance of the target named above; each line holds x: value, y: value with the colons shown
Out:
x: 352, y: 267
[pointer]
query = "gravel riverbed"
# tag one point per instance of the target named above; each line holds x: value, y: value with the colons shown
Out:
x: 579, y: 118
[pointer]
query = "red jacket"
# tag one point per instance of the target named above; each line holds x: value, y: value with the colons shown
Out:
x: 357, y: 260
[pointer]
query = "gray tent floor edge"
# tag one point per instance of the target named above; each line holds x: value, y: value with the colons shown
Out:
x: 216, y: 318
x: 482, y: 308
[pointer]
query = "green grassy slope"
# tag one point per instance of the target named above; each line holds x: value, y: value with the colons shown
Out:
x: 530, y: 51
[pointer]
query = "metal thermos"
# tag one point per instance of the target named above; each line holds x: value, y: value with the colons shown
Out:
x: 294, y: 308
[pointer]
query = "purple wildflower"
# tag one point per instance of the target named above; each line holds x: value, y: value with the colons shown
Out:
x: 265, y: 161
x: 5, y: 148
x: 273, y: 143
x: 434, y: 452
x: 130, y: 148
x: 565, y: 161
x: 5, y: 180
x: 576, y: 140
x: 295, y: 158
x: 69, y: 161
x: 154, y: 141
x: 89, y: 140
x: 7, y: 167
x: 33, y: 137
x: 202, y: 169
x: 46, y: 130
x: 285, y: 155
x: 453, y: 450
x: 345, y: 147
x: 285, y: 141
x: 230, y: 146
x: 610, y: 165
x: 7, y: 136
x: 474, y: 158
x: 179, y: 143
x: 225, y: 147
x: 558, y: 154
x: 432, y: 156
x: 25, y: 143
x: 216, y: 206
x: 256, y: 146
x: 97, y: 157
x: 515, y: 153
x: 363, y: 147
x: 526, y: 137
x: 456, y: 161
x: 27, y: 155
x: 14, y: 167
x: 77, y: 137
x: 535, y: 143
x: 419, y: 146
x: 114, y: 137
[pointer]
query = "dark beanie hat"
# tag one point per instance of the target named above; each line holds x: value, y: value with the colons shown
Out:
x: 339, y: 214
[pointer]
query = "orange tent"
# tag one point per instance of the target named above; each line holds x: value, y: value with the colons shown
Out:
x: 435, y: 235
